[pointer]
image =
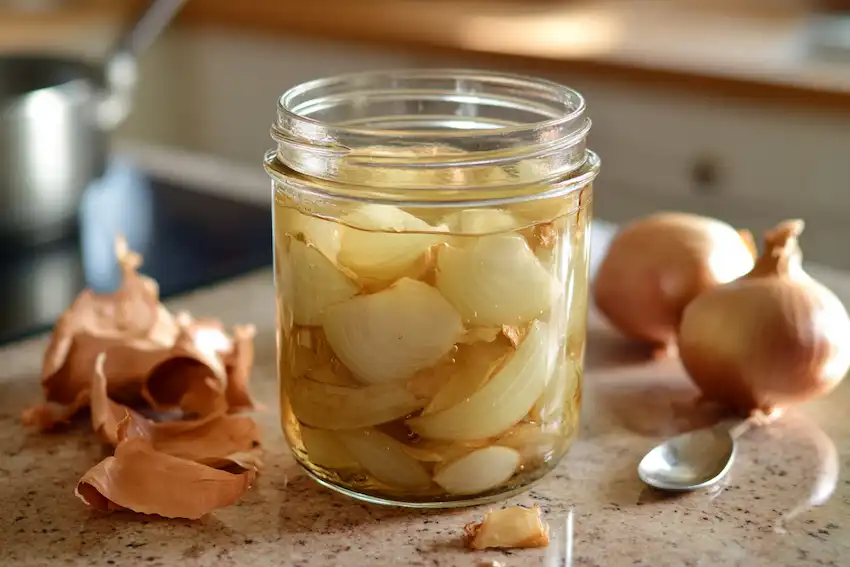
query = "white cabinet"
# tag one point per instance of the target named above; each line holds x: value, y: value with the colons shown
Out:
x: 749, y: 163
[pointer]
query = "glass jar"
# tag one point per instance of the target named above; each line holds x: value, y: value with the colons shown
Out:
x: 431, y: 258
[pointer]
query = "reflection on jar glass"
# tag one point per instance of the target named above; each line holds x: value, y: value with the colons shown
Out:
x: 431, y: 260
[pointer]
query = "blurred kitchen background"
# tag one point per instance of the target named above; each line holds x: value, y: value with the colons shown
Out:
x: 738, y: 109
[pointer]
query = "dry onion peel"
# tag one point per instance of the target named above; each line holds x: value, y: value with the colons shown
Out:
x: 500, y: 403
x: 392, y: 334
x: 478, y: 471
x: 385, y: 459
x: 316, y: 283
x: 94, y: 323
x: 514, y: 527
x: 193, y: 375
x: 328, y: 406
x: 143, y: 480
x: 657, y: 265
x: 773, y: 338
x: 387, y: 243
x: 496, y: 280
x: 218, y: 441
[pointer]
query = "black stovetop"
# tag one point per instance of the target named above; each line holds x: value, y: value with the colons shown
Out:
x: 188, y: 238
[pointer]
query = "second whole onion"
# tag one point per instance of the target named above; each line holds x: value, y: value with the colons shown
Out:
x: 770, y: 339
x: 657, y: 265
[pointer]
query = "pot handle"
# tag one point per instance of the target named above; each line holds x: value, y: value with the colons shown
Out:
x: 121, y: 69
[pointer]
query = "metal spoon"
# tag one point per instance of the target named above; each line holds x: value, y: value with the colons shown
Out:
x: 693, y: 460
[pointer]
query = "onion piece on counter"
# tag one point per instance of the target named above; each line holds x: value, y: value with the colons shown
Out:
x: 478, y: 471
x: 513, y: 527
x: 316, y: 283
x: 334, y: 407
x: 385, y: 459
x: 500, y: 403
x: 392, y: 334
x: 387, y: 243
x: 773, y: 338
x: 496, y: 280
x: 657, y: 265
x: 325, y: 449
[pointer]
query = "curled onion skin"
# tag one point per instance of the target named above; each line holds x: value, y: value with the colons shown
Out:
x: 657, y: 265
x: 773, y: 338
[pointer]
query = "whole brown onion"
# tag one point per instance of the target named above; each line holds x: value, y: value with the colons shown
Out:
x: 657, y: 265
x: 770, y: 339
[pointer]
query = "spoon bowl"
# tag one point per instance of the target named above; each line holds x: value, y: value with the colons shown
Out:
x: 690, y: 461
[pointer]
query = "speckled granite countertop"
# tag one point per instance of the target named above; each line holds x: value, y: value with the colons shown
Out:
x: 765, y: 513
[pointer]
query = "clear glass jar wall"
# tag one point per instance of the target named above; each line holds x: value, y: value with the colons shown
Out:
x: 431, y: 259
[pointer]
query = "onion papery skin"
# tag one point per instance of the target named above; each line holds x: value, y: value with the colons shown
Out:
x: 769, y: 340
x: 656, y: 266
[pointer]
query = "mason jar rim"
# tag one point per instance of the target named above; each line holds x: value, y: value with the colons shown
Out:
x: 425, y: 134
x: 290, y: 109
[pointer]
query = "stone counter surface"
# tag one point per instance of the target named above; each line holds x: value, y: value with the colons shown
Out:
x: 763, y: 514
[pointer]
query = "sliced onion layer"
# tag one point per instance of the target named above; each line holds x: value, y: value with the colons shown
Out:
x: 325, y: 449
x: 329, y: 406
x: 385, y: 459
x: 470, y: 222
x: 474, y: 365
x: 560, y: 393
x: 497, y: 280
x: 532, y: 441
x: 392, y: 334
x: 322, y: 234
x: 387, y: 244
x: 316, y: 283
x: 478, y: 471
x: 500, y: 403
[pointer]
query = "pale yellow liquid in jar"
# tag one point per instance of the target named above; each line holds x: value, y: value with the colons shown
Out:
x: 423, y: 365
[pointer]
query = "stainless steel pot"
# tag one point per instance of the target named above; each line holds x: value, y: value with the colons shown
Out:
x: 55, y: 117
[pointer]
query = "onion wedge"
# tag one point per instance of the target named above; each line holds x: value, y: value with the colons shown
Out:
x: 322, y: 234
x: 496, y: 280
x: 560, y: 391
x: 474, y: 365
x: 470, y: 222
x: 478, y: 471
x: 316, y: 283
x: 385, y: 459
x: 387, y: 244
x: 502, y: 402
x: 392, y: 334
x: 325, y: 449
x: 532, y: 441
x: 329, y: 406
